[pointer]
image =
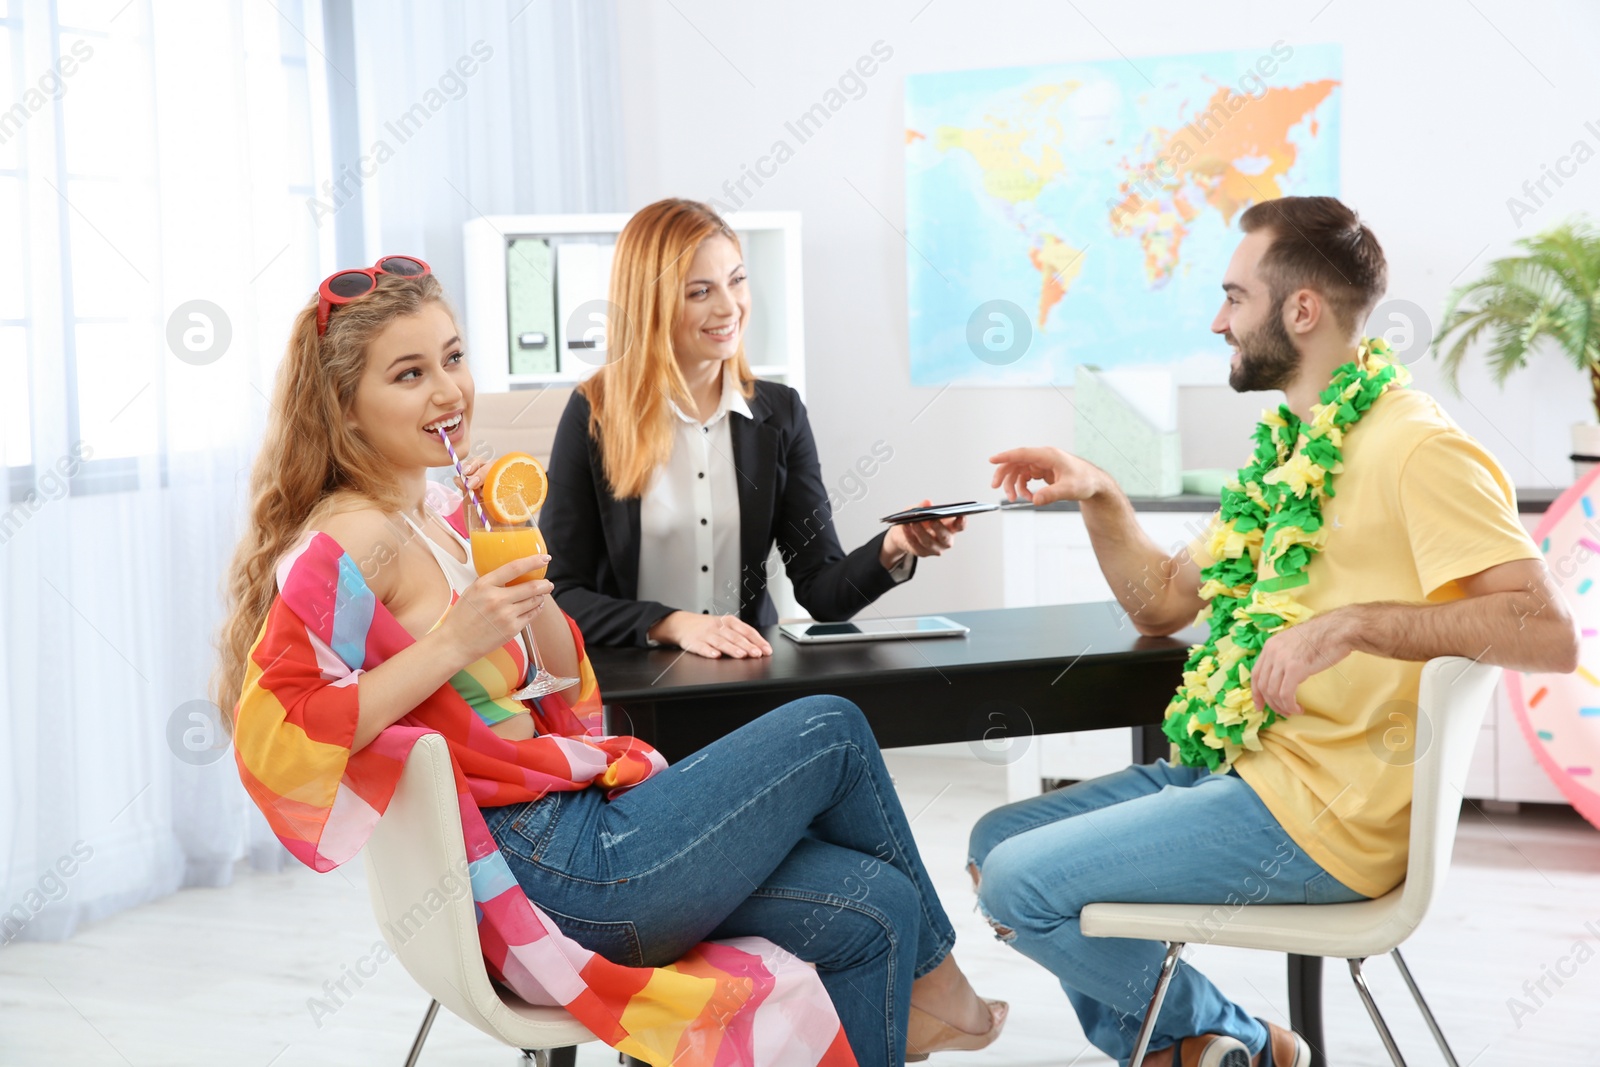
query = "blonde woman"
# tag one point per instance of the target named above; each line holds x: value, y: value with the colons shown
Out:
x: 357, y: 623
x: 675, y: 470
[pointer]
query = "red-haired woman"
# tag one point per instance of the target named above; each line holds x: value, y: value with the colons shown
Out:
x: 674, y: 444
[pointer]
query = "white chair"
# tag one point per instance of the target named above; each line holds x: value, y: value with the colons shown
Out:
x: 1452, y: 699
x: 417, y: 857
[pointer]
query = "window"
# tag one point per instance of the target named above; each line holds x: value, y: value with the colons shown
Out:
x: 82, y: 153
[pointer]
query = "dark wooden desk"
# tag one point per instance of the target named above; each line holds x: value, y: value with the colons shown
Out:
x: 1020, y: 672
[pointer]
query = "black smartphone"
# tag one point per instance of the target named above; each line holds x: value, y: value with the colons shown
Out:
x: 950, y: 511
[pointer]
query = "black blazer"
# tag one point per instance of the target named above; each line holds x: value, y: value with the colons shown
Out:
x: 594, y: 537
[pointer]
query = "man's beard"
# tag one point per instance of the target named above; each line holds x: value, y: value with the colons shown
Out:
x: 1267, y: 356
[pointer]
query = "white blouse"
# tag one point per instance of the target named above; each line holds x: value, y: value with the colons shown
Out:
x: 689, y: 515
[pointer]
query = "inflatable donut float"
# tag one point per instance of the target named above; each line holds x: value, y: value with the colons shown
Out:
x: 1560, y: 713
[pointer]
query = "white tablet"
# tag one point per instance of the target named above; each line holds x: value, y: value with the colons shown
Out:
x: 827, y: 633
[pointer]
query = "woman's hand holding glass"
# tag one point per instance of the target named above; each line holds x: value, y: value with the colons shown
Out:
x: 493, y: 610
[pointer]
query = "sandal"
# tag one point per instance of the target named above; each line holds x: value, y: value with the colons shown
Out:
x: 927, y: 1034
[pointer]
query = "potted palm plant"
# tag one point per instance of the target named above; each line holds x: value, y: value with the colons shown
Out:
x: 1549, y: 293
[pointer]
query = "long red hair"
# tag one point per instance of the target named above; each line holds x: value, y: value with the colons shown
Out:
x: 628, y: 396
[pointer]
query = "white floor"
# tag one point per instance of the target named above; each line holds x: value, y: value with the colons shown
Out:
x: 212, y: 976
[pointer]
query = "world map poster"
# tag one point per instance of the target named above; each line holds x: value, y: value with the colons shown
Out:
x: 1085, y: 212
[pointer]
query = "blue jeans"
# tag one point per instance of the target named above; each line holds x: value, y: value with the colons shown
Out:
x: 1148, y: 834
x: 788, y: 828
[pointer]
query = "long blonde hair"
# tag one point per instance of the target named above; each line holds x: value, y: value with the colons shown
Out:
x: 309, y: 453
x: 628, y: 397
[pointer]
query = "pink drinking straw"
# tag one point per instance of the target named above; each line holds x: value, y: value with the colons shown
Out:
x: 463, y: 476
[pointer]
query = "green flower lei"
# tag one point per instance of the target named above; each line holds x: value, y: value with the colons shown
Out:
x: 1270, y: 530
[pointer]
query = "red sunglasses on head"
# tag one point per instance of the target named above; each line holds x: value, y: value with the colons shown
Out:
x: 347, y: 285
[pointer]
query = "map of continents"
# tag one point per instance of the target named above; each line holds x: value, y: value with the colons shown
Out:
x: 1084, y: 212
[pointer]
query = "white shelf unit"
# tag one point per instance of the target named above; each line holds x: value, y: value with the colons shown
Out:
x: 774, y: 334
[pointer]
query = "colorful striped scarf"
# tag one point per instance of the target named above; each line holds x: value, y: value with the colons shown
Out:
x: 720, y: 1006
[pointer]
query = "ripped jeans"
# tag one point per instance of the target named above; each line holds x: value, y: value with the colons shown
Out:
x: 1148, y: 834
x: 788, y: 828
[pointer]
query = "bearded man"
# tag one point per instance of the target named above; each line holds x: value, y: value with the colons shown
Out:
x: 1323, y: 608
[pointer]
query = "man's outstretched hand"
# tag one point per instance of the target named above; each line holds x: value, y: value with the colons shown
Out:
x: 1066, y: 477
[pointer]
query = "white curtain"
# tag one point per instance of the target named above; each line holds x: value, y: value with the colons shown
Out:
x: 157, y: 235
x: 169, y: 196
x: 532, y: 128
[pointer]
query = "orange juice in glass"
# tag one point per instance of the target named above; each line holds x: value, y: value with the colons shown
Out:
x: 513, y: 491
x: 493, y: 549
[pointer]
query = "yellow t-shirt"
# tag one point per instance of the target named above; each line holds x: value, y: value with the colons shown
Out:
x: 1419, y: 505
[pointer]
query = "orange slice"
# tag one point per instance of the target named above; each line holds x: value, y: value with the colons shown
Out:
x: 514, y: 488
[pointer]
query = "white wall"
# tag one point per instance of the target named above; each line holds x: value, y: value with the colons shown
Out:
x: 1447, y: 110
